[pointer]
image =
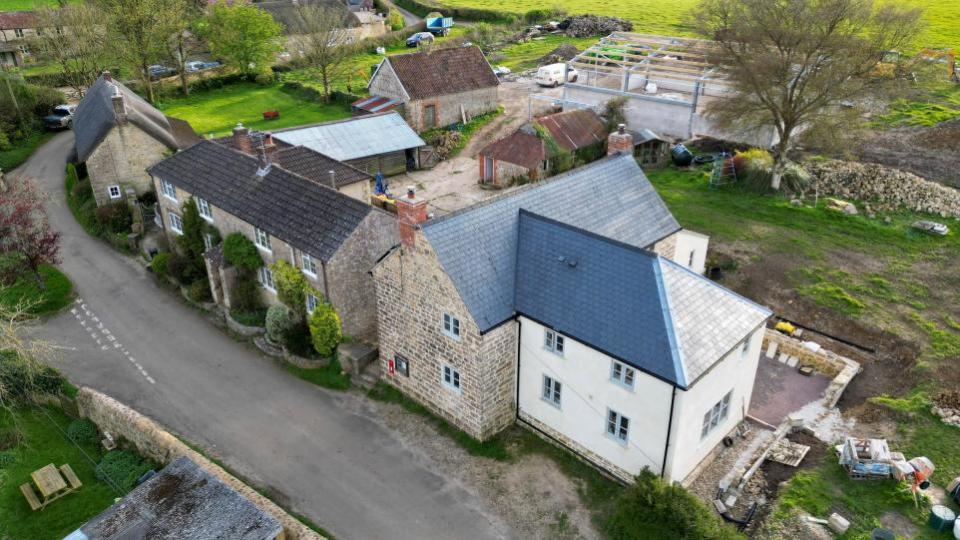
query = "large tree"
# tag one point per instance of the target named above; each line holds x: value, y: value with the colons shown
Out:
x: 26, y: 238
x: 243, y: 34
x: 75, y: 39
x: 795, y: 64
x: 321, y: 35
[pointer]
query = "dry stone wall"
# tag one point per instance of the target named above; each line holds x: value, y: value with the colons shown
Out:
x: 153, y: 441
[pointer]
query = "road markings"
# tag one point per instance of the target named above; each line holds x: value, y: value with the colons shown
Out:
x: 82, y: 314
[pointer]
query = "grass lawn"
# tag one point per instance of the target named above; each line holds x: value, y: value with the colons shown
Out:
x: 942, y: 104
x: 21, y: 151
x: 521, y: 56
x: 218, y: 111
x: 44, y: 443
x: 58, y: 293
x: 331, y: 376
x: 18, y: 5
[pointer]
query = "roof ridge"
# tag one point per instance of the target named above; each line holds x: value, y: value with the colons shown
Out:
x: 678, y: 365
x: 332, y: 122
x: 591, y: 234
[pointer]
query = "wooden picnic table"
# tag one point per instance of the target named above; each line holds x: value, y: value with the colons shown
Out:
x: 49, y: 481
x: 52, y: 483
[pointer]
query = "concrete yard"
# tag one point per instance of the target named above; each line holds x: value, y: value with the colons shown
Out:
x: 780, y: 390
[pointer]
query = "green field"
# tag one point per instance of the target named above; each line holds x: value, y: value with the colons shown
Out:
x: 658, y: 17
x: 17, y: 5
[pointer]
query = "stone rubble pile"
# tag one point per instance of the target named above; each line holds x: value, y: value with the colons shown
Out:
x: 947, y: 415
x: 562, y: 53
x: 886, y: 187
x: 594, y: 25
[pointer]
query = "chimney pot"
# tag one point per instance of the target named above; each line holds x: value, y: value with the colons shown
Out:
x: 621, y: 128
x: 333, y: 179
x: 411, y: 212
x: 620, y: 141
x: 107, y: 76
x: 411, y: 192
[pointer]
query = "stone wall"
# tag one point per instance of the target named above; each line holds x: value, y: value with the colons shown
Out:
x: 667, y: 247
x: 840, y: 368
x: 884, y: 187
x: 121, y: 159
x: 154, y: 442
x: 474, y: 102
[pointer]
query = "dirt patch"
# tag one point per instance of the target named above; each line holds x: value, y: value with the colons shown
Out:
x: 949, y: 399
x: 929, y: 152
x: 900, y: 524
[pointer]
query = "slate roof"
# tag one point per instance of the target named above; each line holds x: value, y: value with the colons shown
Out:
x: 575, y: 129
x: 438, y: 72
x: 627, y: 302
x: 316, y: 166
x: 181, y: 501
x: 309, y: 216
x: 477, y: 246
x: 520, y: 148
x: 11, y: 20
x: 95, y: 117
x: 354, y: 138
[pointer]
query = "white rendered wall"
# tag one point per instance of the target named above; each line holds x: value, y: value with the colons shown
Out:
x: 690, y: 242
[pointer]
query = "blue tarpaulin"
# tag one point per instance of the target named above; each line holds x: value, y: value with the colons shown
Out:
x: 380, y: 187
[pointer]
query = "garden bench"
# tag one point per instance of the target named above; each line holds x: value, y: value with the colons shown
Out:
x: 31, y: 497
x: 271, y: 115
x: 71, y: 476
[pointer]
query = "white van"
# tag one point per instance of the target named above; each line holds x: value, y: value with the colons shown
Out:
x: 552, y: 75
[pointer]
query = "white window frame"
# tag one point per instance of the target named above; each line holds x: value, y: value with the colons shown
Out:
x: 262, y: 239
x: 716, y: 415
x: 207, y: 242
x: 551, y: 391
x: 110, y: 191
x: 266, y: 279
x: 203, y: 207
x: 309, y: 265
x: 451, y: 327
x: 450, y: 378
x: 623, y: 375
x: 18, y: 32
x: 554, y: 342
x: 176, y: 222
x: 312, y: 302
x: 168, y: 189
x: 617, y: 427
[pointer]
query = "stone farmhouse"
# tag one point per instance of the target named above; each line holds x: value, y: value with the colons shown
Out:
x: 437, y: 87
x: 576, y: 307
x: 118, y: 135
x: 16, y: 28
x: 331, y: 236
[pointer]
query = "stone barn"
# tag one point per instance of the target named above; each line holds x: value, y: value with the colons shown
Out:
x: 520, y: 155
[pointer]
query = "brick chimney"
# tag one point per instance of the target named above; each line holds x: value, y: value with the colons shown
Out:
x: 107, y: 76
x: 268, y: 145
x: 119, y: 107
x: 620, y: 141
x: 411, y: 212
x: 241, y: 139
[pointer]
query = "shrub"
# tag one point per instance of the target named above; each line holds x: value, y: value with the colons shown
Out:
x: 7, y: 459
x: 754, y: 169
x: 239, y: 251
x: 159, y: 265
x: 83, y: 431
x: 245, y: 295
x: 395, y: 20
x: 280, y: 322
x: 265, y: 78
x: 291, y: 287
x: 178, y: 267
x: 249, y: 318
x: 199, y: 291
x: 22, y: 383
x: 535, y: 16
x: 123, y: 467
x: 115, y: 217
x: 325, y: 331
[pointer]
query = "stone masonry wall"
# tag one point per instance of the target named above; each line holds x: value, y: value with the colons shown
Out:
x: 413, y: 293
x: 448, y: 107
x: 839, y: 368
x: 121, y: 159
x: 153, y: 441
x: 667, y: 247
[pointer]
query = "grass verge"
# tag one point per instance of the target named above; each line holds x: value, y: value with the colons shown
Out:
x: 331, y: 376
x: 22, y: 150
x: 55, y: 296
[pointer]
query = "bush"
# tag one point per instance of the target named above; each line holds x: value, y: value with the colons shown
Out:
x: 395, y: 20
x: 249, y: 318
x: 83, y: 431
x: 325, y: 331
x: 123, y: 467
x: 754, y: 169
x: 115, y: 217
x: 239, y: 251
x: 159, y: 265
x: 245, y: 295
x: 21, y: 383
x: 280, y: 322
x: 265, y: 79
x: 182, y: 269
x: 199, y: 291
x: 535, y: 16
x: 291, y: 286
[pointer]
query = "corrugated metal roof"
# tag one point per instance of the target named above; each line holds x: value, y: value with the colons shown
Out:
x: 375, y: 104
x: 355, y: 138
x: 575, y: 129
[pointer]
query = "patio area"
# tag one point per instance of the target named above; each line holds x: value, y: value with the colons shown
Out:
x: 780, y: 390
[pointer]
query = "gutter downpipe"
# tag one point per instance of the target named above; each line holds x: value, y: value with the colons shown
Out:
x: 673, y: 401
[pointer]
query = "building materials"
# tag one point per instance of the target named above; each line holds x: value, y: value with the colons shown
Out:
x: 838, y: 523
x: 941, y: 518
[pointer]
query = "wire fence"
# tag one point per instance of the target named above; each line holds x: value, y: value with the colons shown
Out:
x: 101, y: 474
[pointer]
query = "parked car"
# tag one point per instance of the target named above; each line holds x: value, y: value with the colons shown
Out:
x: 552, y: 75
x: 158, y: 72
x: 931, y: 227
x: 419, y: 39
x: 197, y: 65
x: 60, y: 118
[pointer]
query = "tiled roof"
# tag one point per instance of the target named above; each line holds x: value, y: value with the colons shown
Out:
x: 477, y: 246
x: 354, y: 138
x: 182, y: 501
x: 11, y: 20
x: 311, y: 217
x: 575, y: 129
x: 520, y: 148
x: 438, y: 72
x: 316, y: 166
x: 627, y: 302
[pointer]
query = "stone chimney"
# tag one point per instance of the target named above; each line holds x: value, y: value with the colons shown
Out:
x: 411, y: 212
x: 119, y: 107
x: 241, y: 139
x: 107, y: 76
x: 620, y: 141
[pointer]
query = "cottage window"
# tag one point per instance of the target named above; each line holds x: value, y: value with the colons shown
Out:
x: 693, y: 255
x: 551, y: 391
x: 176, y: 224
x: 207, y: 242
x: 262, y: 238
x: 24, y: 49
x: 204, y: 208
x: 451, y: 326
x: 309, y: 265
x: 18, y: 32
x: 169, y: 191
x: 312, y: 302
x: 622, y: 374
x: 618, y: 426
x: 553, y: 342
x: 114, y: 192
x: 716, y: 415
x: 266, y: 278
x: 451, y: 378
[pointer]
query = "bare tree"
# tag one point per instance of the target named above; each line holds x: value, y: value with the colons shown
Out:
x: 74, y: 38
x: 322, y: 36
x: 795, y: 63
x: 23, y: 374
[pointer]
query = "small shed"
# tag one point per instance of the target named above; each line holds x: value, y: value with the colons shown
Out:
x: 576, y: 130
x: 650, y: 149
x: 373, y: 105
x: 520, y: 155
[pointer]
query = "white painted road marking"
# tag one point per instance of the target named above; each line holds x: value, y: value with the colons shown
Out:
x: 104, y: 331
